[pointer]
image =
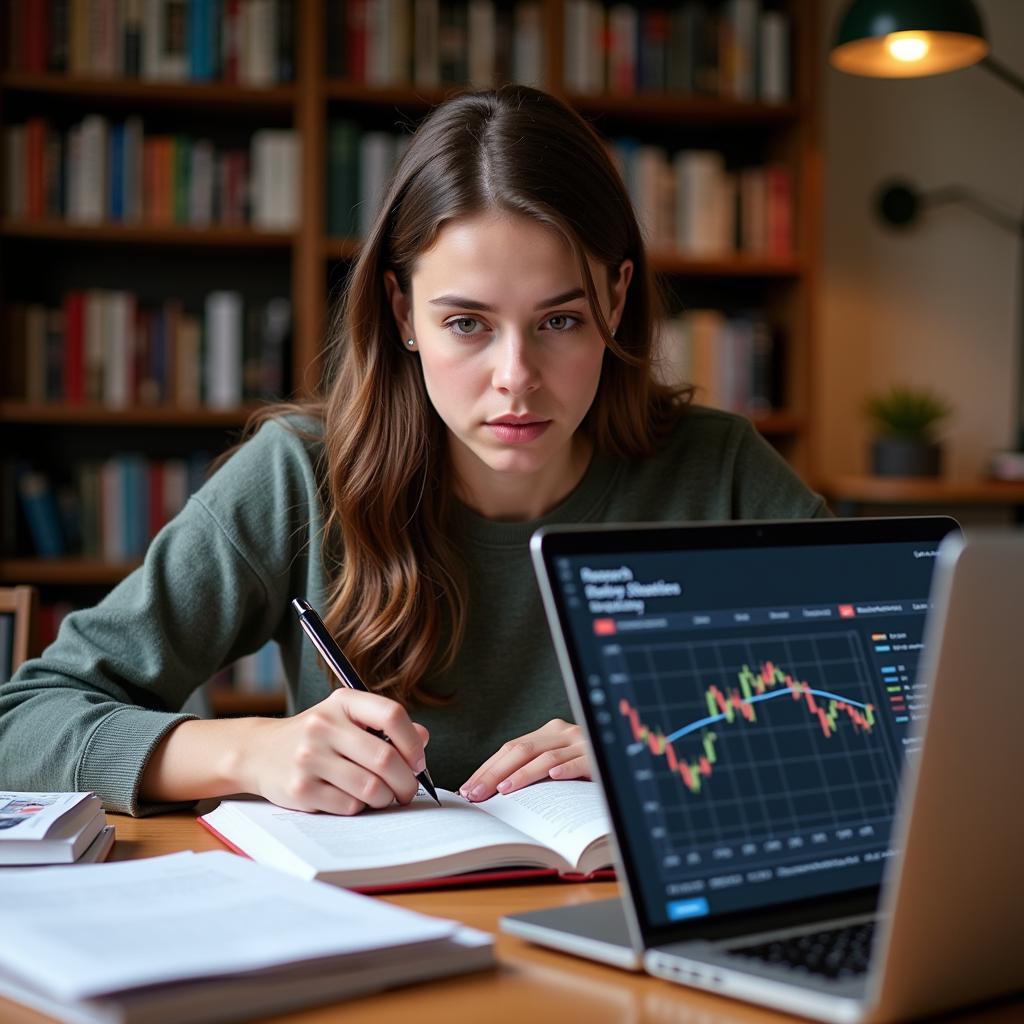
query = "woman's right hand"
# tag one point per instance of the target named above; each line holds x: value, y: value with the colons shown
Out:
x: 323, y: 759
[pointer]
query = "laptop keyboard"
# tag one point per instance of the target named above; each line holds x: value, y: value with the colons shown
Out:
x: 836, y: 953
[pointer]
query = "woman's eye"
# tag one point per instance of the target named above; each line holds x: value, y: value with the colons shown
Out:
x: 562, y: 322
x: 464, y: 325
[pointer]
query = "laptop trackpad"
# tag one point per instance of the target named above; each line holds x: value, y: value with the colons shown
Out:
x: 595, y: 930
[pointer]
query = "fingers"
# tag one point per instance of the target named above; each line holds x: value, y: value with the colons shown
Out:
x: 546, y: 766
x: 524, y: 760
x: 328, y: 761
x: 577, y: 768
x: 371, y: 710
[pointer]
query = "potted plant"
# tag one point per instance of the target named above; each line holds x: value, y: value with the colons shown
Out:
x: 905, y: 420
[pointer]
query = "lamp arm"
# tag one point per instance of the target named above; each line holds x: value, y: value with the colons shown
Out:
x: 1009, y: 76
x: 961, y: 194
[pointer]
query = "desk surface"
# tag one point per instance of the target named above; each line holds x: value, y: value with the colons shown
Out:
x: 531, y: 985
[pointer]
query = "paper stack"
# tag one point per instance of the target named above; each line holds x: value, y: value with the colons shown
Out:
x: 208, y: 937
x: 53, y: 828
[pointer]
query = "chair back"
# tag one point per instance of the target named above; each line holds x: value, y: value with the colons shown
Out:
x: 17, y: 628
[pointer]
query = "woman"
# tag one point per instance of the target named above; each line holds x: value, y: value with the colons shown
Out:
x: 493, y: 374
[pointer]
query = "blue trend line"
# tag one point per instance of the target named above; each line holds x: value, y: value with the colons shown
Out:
x: 694, y: 726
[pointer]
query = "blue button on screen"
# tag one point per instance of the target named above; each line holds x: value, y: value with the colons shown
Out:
x: 678, y: 910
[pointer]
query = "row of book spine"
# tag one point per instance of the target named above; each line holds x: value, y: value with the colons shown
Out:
x: 100, y: 171
x: 107, y: 509
x: 736, y: 50
x: 261, y: 672
x: 248, y: 42
x: 435, y: 42
x: 735, y: 361
x: 106, y: 347
x: 690, y: 202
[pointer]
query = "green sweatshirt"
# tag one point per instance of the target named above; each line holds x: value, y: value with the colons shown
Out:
x: 217, y: 580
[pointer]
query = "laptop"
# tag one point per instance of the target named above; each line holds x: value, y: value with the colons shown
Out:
x: 757, y: 697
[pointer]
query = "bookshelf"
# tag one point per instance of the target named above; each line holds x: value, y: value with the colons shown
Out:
x: 41, y: 257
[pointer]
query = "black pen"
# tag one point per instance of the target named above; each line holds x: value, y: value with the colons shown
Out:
x: 313, y: 626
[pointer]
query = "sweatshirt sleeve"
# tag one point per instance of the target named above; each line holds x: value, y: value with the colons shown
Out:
x: 88, y: 713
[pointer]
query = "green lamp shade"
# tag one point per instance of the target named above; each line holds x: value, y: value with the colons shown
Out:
x: 908, y: 38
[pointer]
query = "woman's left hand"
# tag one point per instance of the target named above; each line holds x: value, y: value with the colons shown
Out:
x: 554, y: 751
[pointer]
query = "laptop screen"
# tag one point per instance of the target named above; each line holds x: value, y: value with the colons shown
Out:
x: 749, y: 692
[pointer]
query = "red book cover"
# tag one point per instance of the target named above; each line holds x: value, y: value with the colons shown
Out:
x: 148, y: 181
x: 779, y: 213
x: 35, y: 183
x: 74, y: 342
x: 229, y: 48
x: 36, y: 35
x: 355, y: 43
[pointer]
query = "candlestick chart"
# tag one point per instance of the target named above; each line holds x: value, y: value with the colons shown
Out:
x: 743, y: 737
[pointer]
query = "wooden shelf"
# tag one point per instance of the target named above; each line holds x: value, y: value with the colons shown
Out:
x: 779, y: 424
x: 186, y: 94
x: 146, y: 234
x: 64, y: 571
x: 101, y: 415
x: 226, y: 700
x: 405, y: 96
x: 676, y: 264
x: 683, y: 109
x: 887, y: 490
x: 734, y: 265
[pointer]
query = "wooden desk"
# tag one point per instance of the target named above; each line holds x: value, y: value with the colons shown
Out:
x: 530, y: 986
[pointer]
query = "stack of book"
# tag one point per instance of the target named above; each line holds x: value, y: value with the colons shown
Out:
x: 690, y: 202
x: 53, y: 828
x: 106, y: 347
x: 102, y: 171
x: 428, y: 43
x: 735, y: 50
x: 736, y: 361
x: 109, y: 509
x: 247, y: 42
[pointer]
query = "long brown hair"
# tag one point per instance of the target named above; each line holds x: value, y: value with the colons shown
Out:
x: 396, y: 601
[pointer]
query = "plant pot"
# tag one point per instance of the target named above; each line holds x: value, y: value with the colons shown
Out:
x: 902, y: 456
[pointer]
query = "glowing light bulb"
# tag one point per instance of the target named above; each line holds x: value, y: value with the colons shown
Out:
x: 907, y: 47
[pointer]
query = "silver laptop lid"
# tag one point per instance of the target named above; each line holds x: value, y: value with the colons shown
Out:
x: 748, y: 691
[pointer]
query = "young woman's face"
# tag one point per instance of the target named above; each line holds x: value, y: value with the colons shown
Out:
x: 510, y: 353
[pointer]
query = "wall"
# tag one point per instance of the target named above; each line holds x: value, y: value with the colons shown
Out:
x: 939, y: 306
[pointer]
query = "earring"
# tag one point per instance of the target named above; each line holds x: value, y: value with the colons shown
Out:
x: 411, y: 342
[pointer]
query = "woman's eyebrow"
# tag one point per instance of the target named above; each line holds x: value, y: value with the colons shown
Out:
x: 464, y: 303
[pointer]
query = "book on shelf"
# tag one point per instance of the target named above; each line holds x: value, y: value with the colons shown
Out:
x: 550, y: 829
x: 690, y: 202
x: 107, y: 509
x: 52, y: 828
x: 103, y: 347
x: 427, y: 43
x: 204, y: 937
x: 246, y: 42
x: 103, y: 171
x: 735, y: 361
x: 737, y: 50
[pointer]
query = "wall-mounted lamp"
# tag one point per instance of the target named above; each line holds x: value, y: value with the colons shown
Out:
x: 911, y: 39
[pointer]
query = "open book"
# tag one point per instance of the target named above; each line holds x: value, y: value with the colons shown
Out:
x: 551, y: 828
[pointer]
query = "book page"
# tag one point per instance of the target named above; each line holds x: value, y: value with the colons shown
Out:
x: 457, y: 836
x: 82, y: 931
x: 569, y: 816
